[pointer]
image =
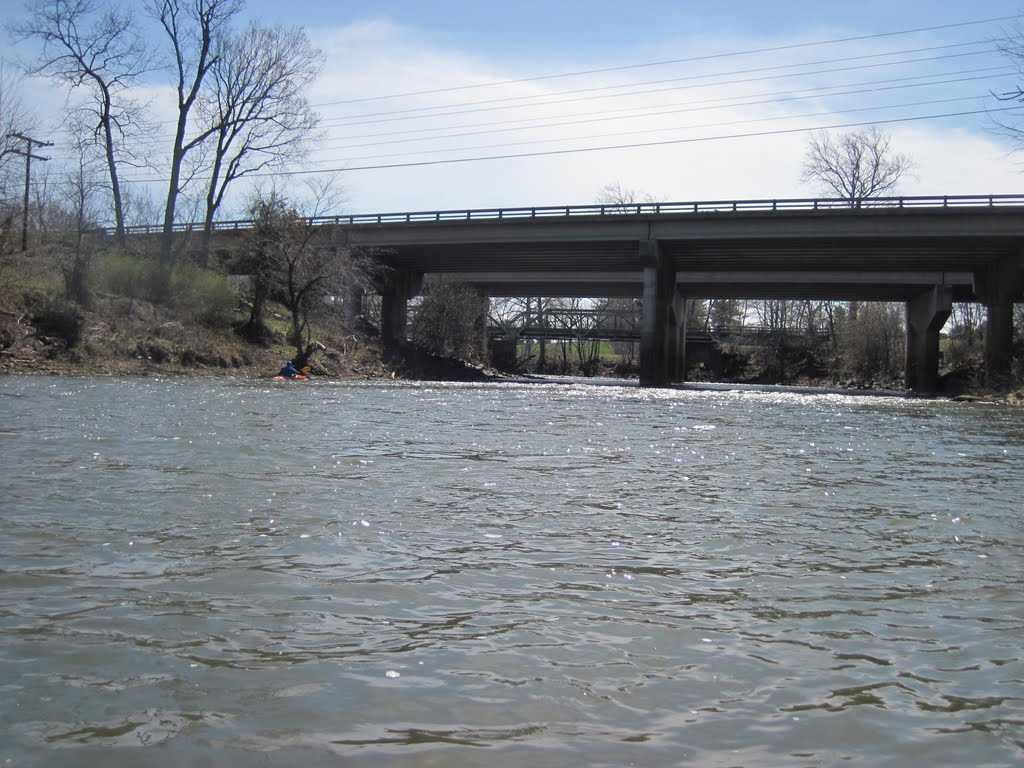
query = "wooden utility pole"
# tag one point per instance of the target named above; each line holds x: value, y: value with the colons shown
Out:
x: 29, y: 143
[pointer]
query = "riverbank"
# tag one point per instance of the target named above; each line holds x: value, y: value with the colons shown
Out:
x: 123, y: 334
x: 172, y: 349
x: 92, y: 344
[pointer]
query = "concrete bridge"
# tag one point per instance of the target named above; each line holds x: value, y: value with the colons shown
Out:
x: 924, y: 251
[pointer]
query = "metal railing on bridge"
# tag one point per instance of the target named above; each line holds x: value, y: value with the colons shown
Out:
x: 621, y: 209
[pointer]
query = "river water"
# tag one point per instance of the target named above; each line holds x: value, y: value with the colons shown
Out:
x: 218, y: 573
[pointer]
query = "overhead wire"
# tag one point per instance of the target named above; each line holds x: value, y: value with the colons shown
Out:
x: 607, y: 148
x: 663, y: 129
x: 686, y: 60
x: 596, y: 91
x: 772, y: 99
x: 566, y: 98
x: 767, y: 99
x: 747, y: 80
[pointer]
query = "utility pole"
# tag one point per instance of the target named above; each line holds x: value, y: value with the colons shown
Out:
x: 29, y: 143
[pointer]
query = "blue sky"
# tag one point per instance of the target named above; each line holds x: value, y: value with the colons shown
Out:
x: 817, y: 64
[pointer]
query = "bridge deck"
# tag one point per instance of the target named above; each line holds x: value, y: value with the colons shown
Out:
x: 882, y: 248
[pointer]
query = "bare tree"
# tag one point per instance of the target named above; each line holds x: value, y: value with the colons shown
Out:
x: 81, y: 191
x: 86, y: 46
x: 450, y: 320
x: 255, y: 111
x: 274, y: 229
x: 854, y: 166
x: 621, y: 199
x: 581, y: 318
x: 724, y: 315
x: 1011, y: 45
x: 195, y: 30
x: 874, y: 341
x: 306, y: 267
x: 14, y: 119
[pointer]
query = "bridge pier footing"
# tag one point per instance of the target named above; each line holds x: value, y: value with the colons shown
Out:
x: 926, y: 314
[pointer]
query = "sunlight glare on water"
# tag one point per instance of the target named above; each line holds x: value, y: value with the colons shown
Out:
x: 214, y: 572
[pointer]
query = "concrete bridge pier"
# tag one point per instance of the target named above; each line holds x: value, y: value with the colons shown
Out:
x: 926, y: 314
x: 997, y: 286
x: 681, y: 312
x: 398, y: 287
x: 659, y: 333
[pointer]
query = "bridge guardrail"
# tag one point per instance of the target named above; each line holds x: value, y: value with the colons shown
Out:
x: 630, y: 209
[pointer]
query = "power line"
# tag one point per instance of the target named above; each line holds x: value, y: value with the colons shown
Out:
x: 745, y: 80
x: 688, y: 60
x: 765, y: 99
x: 358, y: 119
x: 636, y: 145
x: 674, y: 128
x: 721, y: 137
x: 561, y: 98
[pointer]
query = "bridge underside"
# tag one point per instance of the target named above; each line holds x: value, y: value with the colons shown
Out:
x: 927, y: 260
x: 819, y: 285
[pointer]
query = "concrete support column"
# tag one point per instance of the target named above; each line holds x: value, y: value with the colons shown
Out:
x: 656, y: 352
x: 681, y: 309
x: 926, y: 314
x: 997, y: 285
x: 399, y: 287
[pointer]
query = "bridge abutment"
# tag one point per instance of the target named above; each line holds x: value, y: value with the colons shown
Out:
x: 926, y: 314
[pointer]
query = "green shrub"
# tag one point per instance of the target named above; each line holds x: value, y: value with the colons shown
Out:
x: 128, y: 276
x: 198, y: 295
x: 203, y: 296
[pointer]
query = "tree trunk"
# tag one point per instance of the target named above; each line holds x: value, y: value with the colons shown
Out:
x: 115, y: 182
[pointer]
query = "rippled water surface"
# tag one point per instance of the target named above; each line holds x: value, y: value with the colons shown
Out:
x: 209, y: 573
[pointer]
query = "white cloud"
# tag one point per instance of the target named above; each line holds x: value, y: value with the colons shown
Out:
x: 378, y: 58
x: 369, y: 62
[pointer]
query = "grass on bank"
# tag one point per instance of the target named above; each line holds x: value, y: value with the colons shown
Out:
x: 125, y: 327
x: 122, y: 327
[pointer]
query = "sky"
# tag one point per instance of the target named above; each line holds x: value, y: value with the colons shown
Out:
x: 452, y: 104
